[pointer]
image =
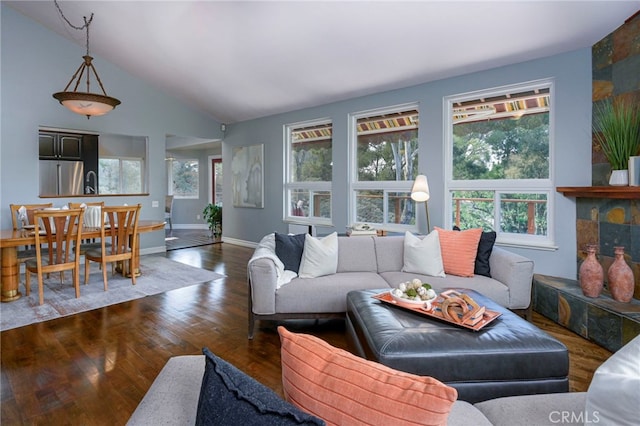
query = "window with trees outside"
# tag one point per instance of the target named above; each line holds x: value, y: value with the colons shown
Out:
x: 308, y: 172
x: 120, y: 175
x: 184, y: 178
x: 384, y: 146
x: 499, y: 156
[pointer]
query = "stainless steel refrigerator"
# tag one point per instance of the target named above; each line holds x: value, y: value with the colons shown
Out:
x: 59, y: 177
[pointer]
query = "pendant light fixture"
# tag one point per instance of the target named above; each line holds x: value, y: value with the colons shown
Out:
x: 85, y: 103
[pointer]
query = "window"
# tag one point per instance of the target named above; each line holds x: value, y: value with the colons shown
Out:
x: 120, y: 175
x: 308, y: 172
x: 184, y: 178
x: 499, y: 162
x: 384, y: 146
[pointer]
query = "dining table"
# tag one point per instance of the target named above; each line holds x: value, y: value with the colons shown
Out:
x: 11, y: 239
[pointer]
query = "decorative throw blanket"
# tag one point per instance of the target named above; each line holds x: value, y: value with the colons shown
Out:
x: 267, y: 250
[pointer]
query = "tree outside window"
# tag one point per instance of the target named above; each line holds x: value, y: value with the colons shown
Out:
x: 120, y: 175
x: 185, y: 178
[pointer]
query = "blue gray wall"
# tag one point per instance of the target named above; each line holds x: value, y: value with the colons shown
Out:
x: 571, y: 149
x: 35, y: 63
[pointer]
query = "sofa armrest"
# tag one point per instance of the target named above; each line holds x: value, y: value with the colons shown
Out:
x: 263, y: 279
x: 173, y: 395
x: 514, y: 271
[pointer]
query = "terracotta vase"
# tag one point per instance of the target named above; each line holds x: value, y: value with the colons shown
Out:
x: 591, y: 274
x: 620, y: 278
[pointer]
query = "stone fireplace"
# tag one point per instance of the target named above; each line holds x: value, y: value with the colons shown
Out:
x: 606, y: 216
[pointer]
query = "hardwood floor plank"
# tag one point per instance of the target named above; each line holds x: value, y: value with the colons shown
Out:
x: 94, y: 368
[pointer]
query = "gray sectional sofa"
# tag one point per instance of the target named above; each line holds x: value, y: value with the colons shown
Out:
x: 370, y: 263
x: 612, y: 398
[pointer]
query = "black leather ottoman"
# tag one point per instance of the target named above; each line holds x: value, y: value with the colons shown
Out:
x: 509, y: 356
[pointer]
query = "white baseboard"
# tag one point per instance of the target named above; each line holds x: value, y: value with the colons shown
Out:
x: 237, y: 242
x: 188, y: 226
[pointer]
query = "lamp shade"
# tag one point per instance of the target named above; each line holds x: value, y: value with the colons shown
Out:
x: 420, y: 189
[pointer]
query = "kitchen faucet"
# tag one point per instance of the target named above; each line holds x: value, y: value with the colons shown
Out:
x: 88, y: 189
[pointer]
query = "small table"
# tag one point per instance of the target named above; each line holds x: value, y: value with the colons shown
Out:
x: 509, y: 356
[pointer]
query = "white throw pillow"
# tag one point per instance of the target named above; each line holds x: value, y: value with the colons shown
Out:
x: 319, y: 257
x: 423, y: 256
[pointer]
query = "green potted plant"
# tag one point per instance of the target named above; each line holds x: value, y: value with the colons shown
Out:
x: 616, y: 126
x: 212, y: 214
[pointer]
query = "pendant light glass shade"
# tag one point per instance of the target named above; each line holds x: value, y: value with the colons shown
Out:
x: 86, y: 103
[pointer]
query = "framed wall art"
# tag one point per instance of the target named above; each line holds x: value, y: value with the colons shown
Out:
x: 247, y: 165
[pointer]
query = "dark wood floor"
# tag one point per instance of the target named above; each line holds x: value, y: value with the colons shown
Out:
x: 95, y: 367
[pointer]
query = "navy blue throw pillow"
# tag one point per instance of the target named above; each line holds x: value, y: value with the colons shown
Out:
x: 485, y: 247
x: 289, y: 250
x: 230, y: 397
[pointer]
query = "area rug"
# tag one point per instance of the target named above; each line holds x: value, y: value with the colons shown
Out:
x: 159, y: 274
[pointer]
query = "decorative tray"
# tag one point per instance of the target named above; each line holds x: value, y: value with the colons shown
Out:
x: 474, y: 318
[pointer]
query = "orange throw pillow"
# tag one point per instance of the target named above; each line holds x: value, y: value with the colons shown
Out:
x: 459, y: 250
x: 343, y: 389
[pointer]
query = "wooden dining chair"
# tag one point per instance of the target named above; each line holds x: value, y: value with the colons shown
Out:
x: 60, y: 231
x: 120, y: 229
x: 28, y: 252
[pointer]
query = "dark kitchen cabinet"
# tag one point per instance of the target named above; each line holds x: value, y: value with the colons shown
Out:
x: 60, y: 146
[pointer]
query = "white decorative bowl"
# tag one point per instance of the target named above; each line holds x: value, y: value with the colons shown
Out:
x: 407, y: 303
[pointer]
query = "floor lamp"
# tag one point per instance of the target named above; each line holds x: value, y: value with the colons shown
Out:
x: 420, y: 193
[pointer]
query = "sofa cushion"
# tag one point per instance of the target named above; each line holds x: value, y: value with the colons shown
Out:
x: 289, y: 250
x: 356, y: 254
x: 320, y: 256
x: 539, y: 410
x: 423, y: 256
x: 614, y: 393
x: 342, y: 388
x: 485, y: 247
x: 459, y: 249
x: 324, y: 294
x: 229, y: 396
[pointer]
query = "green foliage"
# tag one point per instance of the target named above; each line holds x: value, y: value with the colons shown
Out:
x: 388, y: 156
x: 185, y: 177
x: 502, y: 149
x: 616, y: 128
x: 212, y: 214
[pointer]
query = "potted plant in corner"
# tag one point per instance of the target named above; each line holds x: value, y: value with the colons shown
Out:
x: 616, y: 126
x: 212, y: 213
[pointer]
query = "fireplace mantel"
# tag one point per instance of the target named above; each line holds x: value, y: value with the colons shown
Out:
x: 618, y: 192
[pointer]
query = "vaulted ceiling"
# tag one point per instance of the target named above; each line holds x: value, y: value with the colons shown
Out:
x: 238, y: 60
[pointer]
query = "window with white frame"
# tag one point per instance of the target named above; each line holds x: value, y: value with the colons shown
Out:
x: 498, y: 168
x: 384, y: 164
x: 308, y: 174
x: 184, y: 178
x: 120, y: 175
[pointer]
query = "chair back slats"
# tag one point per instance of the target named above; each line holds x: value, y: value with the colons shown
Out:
x: 48, y: 224
x: 60, y: 231
x: 123, y: 229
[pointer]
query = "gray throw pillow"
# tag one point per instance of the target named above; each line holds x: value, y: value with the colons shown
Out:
x: 230, y: 397
x: 289, y: 250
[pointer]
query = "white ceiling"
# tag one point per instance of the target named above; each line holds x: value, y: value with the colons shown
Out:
x: 239, y: 60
